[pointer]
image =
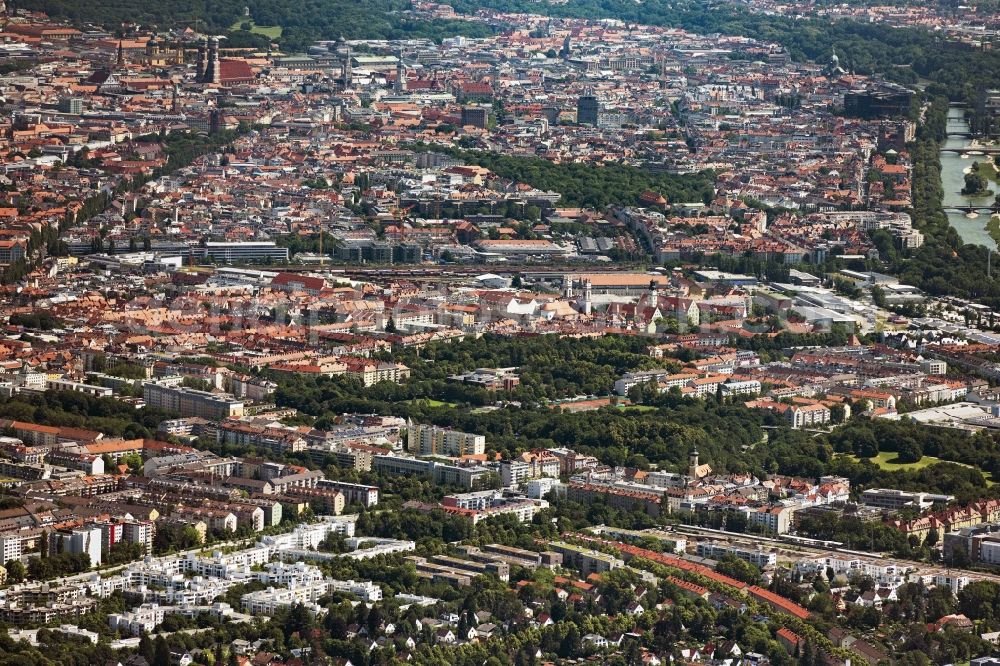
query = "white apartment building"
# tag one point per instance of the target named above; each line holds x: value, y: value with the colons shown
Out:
x: 527, y: 466
x: 953, y: 581
x: 885, y: 573
x: 802, y: 416
x: 146, y: 617
x: 715, y: 551
x: 12, y: 544
x: 190, y: 402
x: 376, y: 547
x: 989, y: 551
x: 539, y: 488
x: 893, y: 499
x: 365, y: 590
x: 631, y: 379
x: 295, y: 573
x: 87, y: 539
x: 749, y: 387
x: 309, y: 536
x: 777, y: 519
x: 266, y: 602
x: 426, y: 440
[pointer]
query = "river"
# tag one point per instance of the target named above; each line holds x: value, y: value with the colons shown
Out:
x: 953, y: 179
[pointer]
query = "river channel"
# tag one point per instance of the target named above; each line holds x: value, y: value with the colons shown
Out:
x: 953, y: 168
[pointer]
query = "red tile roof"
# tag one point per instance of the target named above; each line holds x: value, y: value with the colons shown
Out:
x: 235, y: 71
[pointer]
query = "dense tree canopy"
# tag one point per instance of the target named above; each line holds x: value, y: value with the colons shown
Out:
x: 594, y: 187
x: 303, y: 21
x: 79, y: 410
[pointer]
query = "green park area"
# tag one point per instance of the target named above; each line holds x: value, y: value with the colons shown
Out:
x: 889, y: 461
x: 429, y: 402
x: 269, y: 31
x: 989, y: 170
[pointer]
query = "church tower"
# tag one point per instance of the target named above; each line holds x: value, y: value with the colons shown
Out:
x: 693, y: 464
x: 588, y: 294
x: 568, y: 286
x: 202, y: 65
x: 213, y: 71
x: 347, y: 72
x: 400, y: 73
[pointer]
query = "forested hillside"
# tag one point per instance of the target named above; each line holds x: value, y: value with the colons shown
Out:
x: 303, y: 21
x: 208, y: 15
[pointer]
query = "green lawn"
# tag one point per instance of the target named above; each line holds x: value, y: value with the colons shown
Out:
x: 987, y: 168
x: 269, y: 31
x: 638, y: 408
x: 888, y: 461
x: 993, y: 227
x: 431, y: 403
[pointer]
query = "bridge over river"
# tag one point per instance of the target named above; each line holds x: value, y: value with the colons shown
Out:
x: 972, y: 150
x: 958, y: 153
x: 983, y: 208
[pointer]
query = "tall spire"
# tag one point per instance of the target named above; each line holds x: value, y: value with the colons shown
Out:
x: 120, y: 62
x: 213, y: 72
x: 346, y: 73
x: 202, y: 64
x: 400, y: 73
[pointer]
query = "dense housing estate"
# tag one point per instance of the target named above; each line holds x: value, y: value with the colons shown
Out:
x: 535, y: 340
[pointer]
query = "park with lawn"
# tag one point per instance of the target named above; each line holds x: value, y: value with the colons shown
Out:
x: 247, y: 25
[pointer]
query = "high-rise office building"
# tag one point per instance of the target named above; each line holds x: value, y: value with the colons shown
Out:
x: 588, y: 108
x: 476, y: 116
